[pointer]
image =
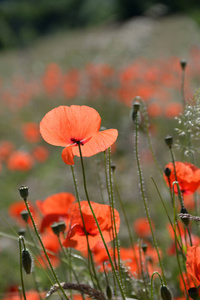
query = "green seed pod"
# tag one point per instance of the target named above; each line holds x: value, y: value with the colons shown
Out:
x: 169, y: 141
x: 24, y: 215
x: 167, y: 172
x: 109, y: 292
x: 27, y: 261
x: 165, y: 293
x: 23, y: 190
x: 22, y: 231
x: 183, y: 63
x: 185, y: 221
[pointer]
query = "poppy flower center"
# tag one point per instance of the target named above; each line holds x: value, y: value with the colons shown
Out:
x: 75, y: 141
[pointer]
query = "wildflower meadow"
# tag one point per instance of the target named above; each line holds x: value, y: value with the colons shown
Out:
x: 100, y: 181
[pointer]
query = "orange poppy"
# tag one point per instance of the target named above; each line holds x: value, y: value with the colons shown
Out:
x: 67, y: 126
x: 16, y: 208
x: 50, y: 240
x: 55, y: 208
x: 188, y: 177
x: 31, y: 132
x: 193, y: 262
x: 76, y: 235
x: 20, y: 161
x: 142, y: 228
x: 30, y: 295
x: 40, y: 153
x: 6, y: 148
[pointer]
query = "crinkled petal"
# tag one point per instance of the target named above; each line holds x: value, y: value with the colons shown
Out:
x: 98, y: 143
x: 68, y: 156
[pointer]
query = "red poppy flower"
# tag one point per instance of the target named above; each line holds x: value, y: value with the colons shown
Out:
x: 20, y: 161
x: 76, y: 234
x: 142, y: 228
x: 193, y: 262
x: 50, y: 240
x: 40, y: 153
x: 67, y: 126
x: 31, y: 132
x: 16, y: 208
x: 188, y: 177
x: 30, y: 295
x: 55, y: 208
x: 6, y: 148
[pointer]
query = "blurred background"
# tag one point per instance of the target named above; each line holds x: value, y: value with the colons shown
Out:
x: 100, y: 53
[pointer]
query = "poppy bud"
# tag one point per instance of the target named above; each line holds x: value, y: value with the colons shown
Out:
x: 167, y: 172
x: 144, y: 247
x: 22, y: 231
x: 169, y: 140
x: 113, y: 167
x: 165, y: 293
x: 24, y: 215
x: 23, y: 190
x: 109, y: 292
x: 185, y: 221
x: 193, y: 293
x: 61, y: 226
x: 27, y: 261
x: 183, y: 63
x: 55, y: 228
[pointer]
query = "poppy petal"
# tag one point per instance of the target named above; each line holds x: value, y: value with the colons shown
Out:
x: 62, y: 124
x: 98, y: 143
x: 68, y: 156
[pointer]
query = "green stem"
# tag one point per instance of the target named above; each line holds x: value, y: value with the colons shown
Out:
x: 113, y: 215
x: 142, y: 271
x: 90, y: 256
x: 43, y: 248
x: 21, y: 240
x: 127, y: 223
x: 144, y: 197
x: 97, y: 223
x: 177, y: 255
x: 161, y: 281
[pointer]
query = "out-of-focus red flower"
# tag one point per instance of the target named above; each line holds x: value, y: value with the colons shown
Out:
x: 16, y: 208
x: 6, y: 148
x: 189, y: 282
x: 30, y: 295
x: 188, y: 177
x: 51, y: 243
x: 40, y: 153
x: 20, y: 161
x: 67, y: 126
x: 55, y: 208
x: 142, y: 228
x: 52, y: 79
x: 173, y: 109
x: 132, y: 261
x: 193, y: 262
x: 31, y: 132
x: 76, y: 235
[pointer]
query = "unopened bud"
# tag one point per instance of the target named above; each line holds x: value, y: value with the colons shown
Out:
x: 23, y: 190
x: 185, y: 221
x: 24, y: 215
x: 113, y: 167
x: 27, y: 261
x: 193, y: 293
x: 169, y: 140
x: 21, y: 231
x: 61, y: 226
x: 183, y: 63
x: 109, y: 292
x: 165, y: 293
x: 167, y: 172
x: 144, y: 247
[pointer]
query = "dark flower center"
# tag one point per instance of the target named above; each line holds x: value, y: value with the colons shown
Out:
x: 77, y: 141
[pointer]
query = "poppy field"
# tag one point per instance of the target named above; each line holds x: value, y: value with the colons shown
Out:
x: 100, y: 181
